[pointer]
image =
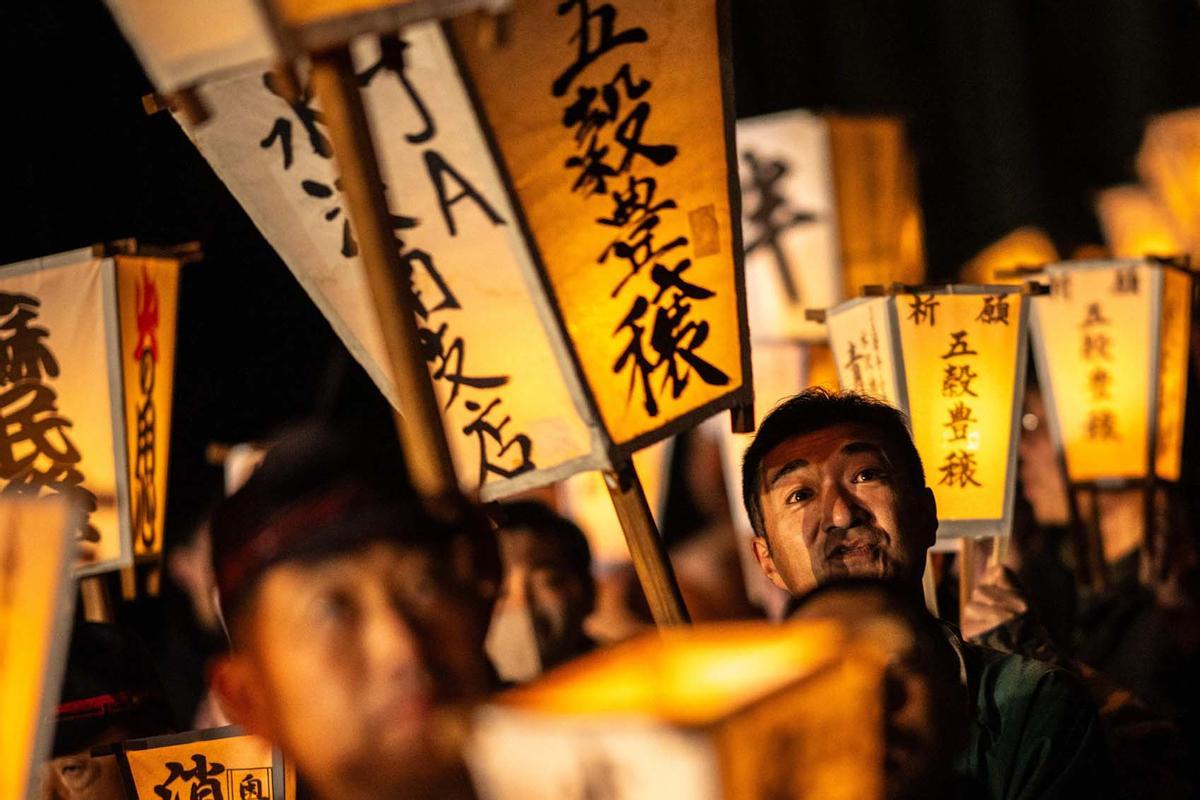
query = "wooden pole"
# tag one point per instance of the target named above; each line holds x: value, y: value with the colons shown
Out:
x: 1095, y: 531
x: 650, y: 559
x: 966, y: 575
x: 426, y: 451
x: 929, y: 585
x: 97, y: 605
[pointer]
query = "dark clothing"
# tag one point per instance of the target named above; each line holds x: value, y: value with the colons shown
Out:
x: 1034, y: 732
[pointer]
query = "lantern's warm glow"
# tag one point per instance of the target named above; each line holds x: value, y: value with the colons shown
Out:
x: 953, y: 360
x: 742, y: 710
x: 36, y: 540
x: 1111, y: 346
x: 245, y: 760
x: 1169, y: 162
x: 147, y: 302
x: 1136, y: 224
x: 879, y: 212
x: 301, y: 12
x: 1023, y: 247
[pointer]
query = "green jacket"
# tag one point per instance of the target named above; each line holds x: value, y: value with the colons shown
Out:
x: 1034, y: 732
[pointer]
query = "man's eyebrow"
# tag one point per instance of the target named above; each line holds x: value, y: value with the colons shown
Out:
x: 785, y: 470
x: 862, y: 447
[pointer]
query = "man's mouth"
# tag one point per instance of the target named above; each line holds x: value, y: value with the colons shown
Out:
x: 848, y: 551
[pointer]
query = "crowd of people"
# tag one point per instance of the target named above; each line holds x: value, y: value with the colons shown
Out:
x: 359, y: 624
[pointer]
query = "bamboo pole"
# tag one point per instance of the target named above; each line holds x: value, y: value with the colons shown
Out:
x: 97, y: 605
x: 426, y: 451
x: 650, y: 559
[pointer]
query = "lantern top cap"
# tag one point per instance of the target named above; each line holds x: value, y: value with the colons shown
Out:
x: 1180, y: 263
x: 875, y: 290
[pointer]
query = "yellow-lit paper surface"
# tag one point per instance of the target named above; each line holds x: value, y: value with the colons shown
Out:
x: 789, y: 228
x: 1174, y: 340
x: 610, y: 123
x: 147, y: 300
x: 961, y: 356
x: 217, y: 763
x: 36, y: 542
x: 59, y: 396
x: 860, y: 338
x: 510, y: 413
x: 1024, y: 247
x: 878, y: 209
x: 1169, y: 162
x: 1136, y: 223
x: 1094, y: 334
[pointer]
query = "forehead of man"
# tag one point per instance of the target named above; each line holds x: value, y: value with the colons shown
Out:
x: 817, y: 448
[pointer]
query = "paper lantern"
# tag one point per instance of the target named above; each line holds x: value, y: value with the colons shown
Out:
x: 1136, y: 224
x: 1169, y: 163
x: 218, y: 762
x: 1111, y: 347
x: 547, y: 357
x: 878, y: 207
x: 36, y: 599
x: 1024, y: 247
x: 735, y: 711
x: 953, y: 359
x: 789, y: 223
x: 86, y: 394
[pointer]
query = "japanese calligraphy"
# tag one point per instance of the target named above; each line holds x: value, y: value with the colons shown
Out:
x: 958, y: 469
x: 771, y: 215
x: 960, y: 427
x: 36, y: 451
x: 145, y: 501
x: 1096, y: 349
x: 995, y: 310
x: 923, y: 310
x: 198, y: 783
x: 663, y: 332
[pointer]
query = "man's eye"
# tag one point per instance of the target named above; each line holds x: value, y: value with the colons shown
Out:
x: 798, y: 496
x: 334, y: 607
x: 869, y: 474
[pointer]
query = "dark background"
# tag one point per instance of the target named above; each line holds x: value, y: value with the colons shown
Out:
x: 1018, y: 111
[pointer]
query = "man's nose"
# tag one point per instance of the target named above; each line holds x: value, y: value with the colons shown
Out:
x: 389, y: 639
x: 840, y: 508
x: 514, y: 591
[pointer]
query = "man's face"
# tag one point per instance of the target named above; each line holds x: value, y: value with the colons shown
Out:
x: 835, y: 505
x: 82, y: 777
x: 344, y: 661
x: 540, y: 582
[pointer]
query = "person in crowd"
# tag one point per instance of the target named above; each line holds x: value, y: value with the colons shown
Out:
x: 110, y: 693
x: 835, y: 488
x: 925, y: 722
x: 546, y: 592
x: 356, y: 616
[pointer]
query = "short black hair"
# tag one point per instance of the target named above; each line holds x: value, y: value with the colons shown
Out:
x: 542, y: 520
x: 815, y: 409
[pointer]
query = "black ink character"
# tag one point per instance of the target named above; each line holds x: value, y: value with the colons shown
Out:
x: 771, y: 216
x: 200, y: 781
x: 923, y: 309
x: 592, y: 47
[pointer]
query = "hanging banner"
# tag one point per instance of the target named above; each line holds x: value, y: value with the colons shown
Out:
x: 511, y: 416
x: 620, y: 157
x: 214, y: 763
x: 147, y: 299
x: 37, y: 541
x: 789, y: 225
x: 953, y: 359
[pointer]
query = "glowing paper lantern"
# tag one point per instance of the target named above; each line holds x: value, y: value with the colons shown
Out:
x: 788, y: 223
x: 878, y: 208
x: 1111, y: 347
x: 953, y: 359
x: 1169, y: 163
x: 86, y: 394
x: 543, y: 366
x: 36, y: 594
x: 746, y: 711
x: 1023, y: 247
x: 1136, y: 224
x: 218, y: 762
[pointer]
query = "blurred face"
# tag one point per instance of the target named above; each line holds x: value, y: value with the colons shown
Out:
x: 924, y: 705
x: 1041, y: 475
x: 82, y: 777
x: 835, y: 505
x: 344, y: 662
x: 541, y: 588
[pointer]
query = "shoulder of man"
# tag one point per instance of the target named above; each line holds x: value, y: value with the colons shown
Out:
x: 1035, y: 731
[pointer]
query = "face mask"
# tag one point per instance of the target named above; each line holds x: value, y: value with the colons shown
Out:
x: 512, y: 644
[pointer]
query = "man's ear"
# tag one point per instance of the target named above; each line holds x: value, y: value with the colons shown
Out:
x: 927, y: 517
x: 762, y: 554
x: 237, y: 684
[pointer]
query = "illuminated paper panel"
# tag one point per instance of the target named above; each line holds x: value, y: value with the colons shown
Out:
x: 1095, y: 340
x: 789, y: 227
x: 36, y: 593
x: 184, y: 42
x: 512, y: 418
x: 617, y: 151
x: 861, y: 338
x: 878, y: 208
x: 60, y: 397
x: 1169, y: 162
x: 219, y: 762
x: 964, y: 366
x: 147, y: 298
x: 1136, y: 224
x: 1174, y: 341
